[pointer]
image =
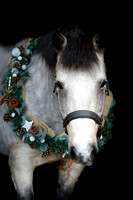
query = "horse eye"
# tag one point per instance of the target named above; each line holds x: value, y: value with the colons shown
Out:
x: 59, y: 84
x: 102, y: 84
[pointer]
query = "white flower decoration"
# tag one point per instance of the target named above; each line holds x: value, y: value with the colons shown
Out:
x: 16, y: 52
x: 101, y: 137
x: 23, y: 67
x: 14, y: 75
x: 27, y: 51
x: 20, y: 58
x: 14, y: 71
x: 43, y: 140
x: 32, y: 138
x: 13, y: 114
x: 27, y: 125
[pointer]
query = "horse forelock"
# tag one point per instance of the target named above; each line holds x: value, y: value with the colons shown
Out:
x: 79, y: 53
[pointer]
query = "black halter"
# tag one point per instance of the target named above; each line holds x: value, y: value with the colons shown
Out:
x: 82, y: 114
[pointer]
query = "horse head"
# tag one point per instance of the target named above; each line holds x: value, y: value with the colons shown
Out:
x: 80, y: 86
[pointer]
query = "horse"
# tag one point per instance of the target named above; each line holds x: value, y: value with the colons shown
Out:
x: 61, y: 86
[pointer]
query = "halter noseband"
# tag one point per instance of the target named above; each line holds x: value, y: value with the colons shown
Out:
x: 82, y: 114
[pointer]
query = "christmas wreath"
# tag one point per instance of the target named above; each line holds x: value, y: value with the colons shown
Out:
x: 25, y: 128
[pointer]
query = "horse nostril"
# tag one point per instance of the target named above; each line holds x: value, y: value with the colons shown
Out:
x: 94, y: 152
x: 73, y: 152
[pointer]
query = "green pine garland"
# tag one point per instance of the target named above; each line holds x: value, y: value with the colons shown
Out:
x: 105, y: 133
x: 13, y: 83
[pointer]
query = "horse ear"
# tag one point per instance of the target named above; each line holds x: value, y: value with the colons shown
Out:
x: 99, y: 43
x: 59, y: 41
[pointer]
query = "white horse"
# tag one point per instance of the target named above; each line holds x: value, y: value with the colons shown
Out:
x: 68, y: 62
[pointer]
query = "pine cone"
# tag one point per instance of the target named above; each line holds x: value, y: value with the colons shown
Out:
x: 16, y: 65
x: 7, y: 117
x: 44, y: 154
x: 47, y: 153
x: 32, y: 145
x: 112, y: 116
x: 22, y: 47
x: 15, y: 80
x: 50, y: 150
x: 13, y: 103
x: 8, y: 98
x: 60, y: 151
x: 33, y: 129
x: 20, y: 131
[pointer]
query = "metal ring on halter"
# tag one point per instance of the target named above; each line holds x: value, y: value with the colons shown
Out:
x: 82, y: 114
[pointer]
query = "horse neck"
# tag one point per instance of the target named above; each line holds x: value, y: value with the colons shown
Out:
x: 39, y: 98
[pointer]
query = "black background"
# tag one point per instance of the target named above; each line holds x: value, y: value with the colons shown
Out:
x: 20, y: 20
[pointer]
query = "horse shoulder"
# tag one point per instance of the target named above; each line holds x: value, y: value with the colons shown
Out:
x: 22, y: 153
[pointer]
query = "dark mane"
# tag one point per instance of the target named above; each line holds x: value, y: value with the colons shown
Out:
x: 78, y: 53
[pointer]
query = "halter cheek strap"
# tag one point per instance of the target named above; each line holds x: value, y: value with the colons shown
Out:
x: 82, y: 114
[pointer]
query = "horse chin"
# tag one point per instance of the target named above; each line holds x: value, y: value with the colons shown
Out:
x: 88, y: 163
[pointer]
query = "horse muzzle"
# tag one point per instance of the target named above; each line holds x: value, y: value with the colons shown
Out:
x: 86, y: 157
